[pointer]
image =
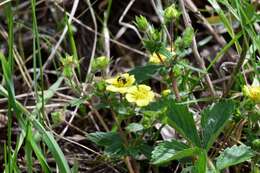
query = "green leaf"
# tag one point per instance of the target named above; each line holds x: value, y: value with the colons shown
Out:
x: 134, y: 127
x: 49, y: 93
x: 234, y: 155
x: 54, y: 148
x: 182, y: 120
x: 112, y: 142
x: 213, y: 120
x: 143, y: 73
x: 171, y: 150
x: 200, y: 165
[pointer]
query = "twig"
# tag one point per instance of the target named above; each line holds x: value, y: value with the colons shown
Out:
x: 98, y: 116
x: 200, y: 61
x: 158, y: 10
x: 70, y: 121
x: 207, y: 25
x: 53, y: 52
x: 127, y: 25
x: 101, y: 35
x: 2, y: 3
x: 237, y: 68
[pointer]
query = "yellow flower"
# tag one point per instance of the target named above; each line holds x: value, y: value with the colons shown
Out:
x: 155, y: 59
x: 120, y: 83
x: 142, y: 95
x: 253, y: 92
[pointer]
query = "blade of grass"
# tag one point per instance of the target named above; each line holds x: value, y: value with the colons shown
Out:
x: 72, y: 44
x: 37, y: 57
x: 28, y: 150
x: 7, y: 70
x: 226, y: 22
x: 224, y: 49
x: 53, y: 147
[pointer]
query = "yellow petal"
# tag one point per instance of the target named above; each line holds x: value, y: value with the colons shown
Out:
x: 144, y: 87
x: 111, y: 80
x: 130, y: 98
x: 142, y: 102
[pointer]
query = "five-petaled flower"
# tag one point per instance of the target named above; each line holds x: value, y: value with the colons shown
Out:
x: 142, y: 95
x: 253, y: 92
x: 157, y: 58
x: 120, y: 83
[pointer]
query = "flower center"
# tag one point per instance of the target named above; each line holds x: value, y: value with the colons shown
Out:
x: 141, y: 94
x: 121, y: 81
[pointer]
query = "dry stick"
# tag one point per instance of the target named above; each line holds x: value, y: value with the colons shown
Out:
x: 200, y: 61
x: 158, y: 8
x: 98, y: 116
x: 53, y: 52
x: 207, y: 25
x: 127, y: 25
x: 237, y: 68
x: 3, y: 3
x: 70, y: 121
x: 101, y: 35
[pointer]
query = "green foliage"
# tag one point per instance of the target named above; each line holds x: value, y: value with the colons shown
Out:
x: 141, y: 23
x: 171, y: 150
x: 213, y: 119
x: 182, y: 120
x: 100, y: 63
x: 143, y: 73
x: 181, y: 43
x: 134, y: 127
x: 171, y: 13
x: 234, y: 155
x: 111, y: 141
x: 200, y: 165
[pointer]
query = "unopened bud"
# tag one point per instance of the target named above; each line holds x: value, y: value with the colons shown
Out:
x: 141, y: 23
x: 171, y: 13
x: 100, y: 63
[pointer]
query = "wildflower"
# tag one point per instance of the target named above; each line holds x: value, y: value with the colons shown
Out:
x: 166, y: 92
x: 142, y: 95
x: 158, y: 58
x: 253, y: 92
x: 120, y: 83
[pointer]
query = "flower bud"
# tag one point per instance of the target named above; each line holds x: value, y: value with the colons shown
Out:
x: 57, y: 117
x: 141, y: 23
x: 171, y: 13
x: 101, y: 86
x: 69, y: 64
x: 256, y: 144
x: 166, y: 92
x: 252, y: 92
x: 100, y: 63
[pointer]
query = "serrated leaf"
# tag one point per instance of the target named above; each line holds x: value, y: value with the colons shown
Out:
x: 233, y: 156
x: 182, y: 120
x: 134, y: 127
x: 171, y: 150
x: 213, y: 120
x: 143, y: 73
x: 112, y: 142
